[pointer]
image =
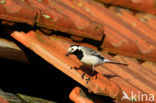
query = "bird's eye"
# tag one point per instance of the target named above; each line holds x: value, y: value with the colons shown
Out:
x: 71, y: 48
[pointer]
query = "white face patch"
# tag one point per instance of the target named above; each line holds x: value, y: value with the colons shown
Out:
x: 72, y: 49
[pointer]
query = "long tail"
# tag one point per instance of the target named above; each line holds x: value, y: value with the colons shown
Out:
x: 114, y: 62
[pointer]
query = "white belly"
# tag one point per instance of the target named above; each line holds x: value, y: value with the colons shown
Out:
x: 91, y: 60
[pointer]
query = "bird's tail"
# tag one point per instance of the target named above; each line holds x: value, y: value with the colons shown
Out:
x: 114, y: 62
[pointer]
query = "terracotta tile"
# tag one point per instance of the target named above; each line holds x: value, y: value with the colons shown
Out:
x: 140, y: 5
x: 9, y: 50
x: 151, y: 66
x: 134, y: 77
x: 79, y: 96
x: 122, y: 82
x: 150, y: 20
x: 121, y: 35
x: 67, y: 19
x: 137, y: 79
x: 133, y: 21
x: 51, y: 15
x: 16, y: 13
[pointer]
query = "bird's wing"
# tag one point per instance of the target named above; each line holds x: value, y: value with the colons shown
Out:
x: 90, y: 51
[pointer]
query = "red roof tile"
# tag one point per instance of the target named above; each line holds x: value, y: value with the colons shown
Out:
x: 15, y: 13
x: 52, y: 15
x: 140, y: 5
x: 10, y: 50
x: 124, y: 33
x: 148, y: 19
x: 78, y: 96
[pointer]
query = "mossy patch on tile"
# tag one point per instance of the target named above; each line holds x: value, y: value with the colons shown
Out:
x: 46, y: 16
x: 1, y: 90
x: 29, y: 99
x: 2, y: 2
x: 11, y: 98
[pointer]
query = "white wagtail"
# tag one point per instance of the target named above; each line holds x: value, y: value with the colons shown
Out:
x: 89, y: 56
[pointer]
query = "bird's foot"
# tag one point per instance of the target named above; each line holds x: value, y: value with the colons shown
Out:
x: 71, y: 67
x: 83, y: 75
x: 88, y: 79
x: 95, y: 76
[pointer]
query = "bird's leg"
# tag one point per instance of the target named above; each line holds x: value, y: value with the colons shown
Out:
x: 88, y: 79
x: 71, y: 67
x: 93, y: 69
x: 82, y: 76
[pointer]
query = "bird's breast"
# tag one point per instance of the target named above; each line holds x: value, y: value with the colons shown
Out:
x: 91, y: 60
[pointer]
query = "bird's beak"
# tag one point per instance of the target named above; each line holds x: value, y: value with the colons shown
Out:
x: 68, y: 53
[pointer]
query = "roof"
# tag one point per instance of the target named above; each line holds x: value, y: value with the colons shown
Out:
x: 122, y: 35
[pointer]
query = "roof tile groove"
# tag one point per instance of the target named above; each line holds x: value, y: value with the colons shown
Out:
x: 15, y: 13
x: 138, y: 74
x: 134, y: 75
x: 140, y: 5
x: 84, y: 26
x: 131, y: 40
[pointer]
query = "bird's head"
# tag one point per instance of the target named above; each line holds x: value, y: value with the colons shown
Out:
x: 73, y: 49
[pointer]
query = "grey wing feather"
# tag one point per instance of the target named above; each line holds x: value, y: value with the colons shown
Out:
x: 90, y: 51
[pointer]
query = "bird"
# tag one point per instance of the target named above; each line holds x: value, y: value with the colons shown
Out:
x: 89, y: 56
